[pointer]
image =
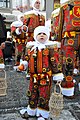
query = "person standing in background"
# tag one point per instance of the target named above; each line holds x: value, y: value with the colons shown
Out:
x: 18, y: 31
x: 9, y: 49
x: 3, y: 30
x: 34, y: 18
x: 3, y: 37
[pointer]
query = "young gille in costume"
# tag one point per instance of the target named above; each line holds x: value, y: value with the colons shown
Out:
x: 40, y: 58
x: 34, y: 18
x: 18, y: 31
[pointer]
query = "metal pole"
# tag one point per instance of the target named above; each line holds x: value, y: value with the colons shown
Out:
x: 6, y: 4
x: 10, y: 5
x: 49, y: 8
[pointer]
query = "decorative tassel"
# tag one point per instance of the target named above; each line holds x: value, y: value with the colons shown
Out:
x: 35, y: 80
x: 47, y: 78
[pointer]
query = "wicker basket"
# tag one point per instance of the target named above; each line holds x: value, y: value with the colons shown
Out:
x: 3, y: 91
x: 3, y: 85
x: 56, y: 102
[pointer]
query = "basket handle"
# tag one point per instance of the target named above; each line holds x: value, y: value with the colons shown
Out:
x: 57, y: 84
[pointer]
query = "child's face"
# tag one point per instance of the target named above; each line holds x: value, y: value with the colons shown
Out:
x: 42, y: 37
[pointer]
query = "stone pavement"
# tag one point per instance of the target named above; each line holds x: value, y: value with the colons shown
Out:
x: 72, y: 112
x: 16, y: 99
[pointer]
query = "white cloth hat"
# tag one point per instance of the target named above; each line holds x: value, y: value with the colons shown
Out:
x: 33, y: 2
x: 40, y: 45
x: 41, y: 29
x: 19, y: 16
x: 17, y: 24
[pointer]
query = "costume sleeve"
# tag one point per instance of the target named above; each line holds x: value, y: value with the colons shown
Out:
x: 54, y: 61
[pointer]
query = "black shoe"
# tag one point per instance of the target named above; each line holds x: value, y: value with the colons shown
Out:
x: 42, y: 117
x: 25, y: 115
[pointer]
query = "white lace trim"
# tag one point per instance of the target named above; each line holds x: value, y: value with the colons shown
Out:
x: 30, y: 111
x: 43, y: 113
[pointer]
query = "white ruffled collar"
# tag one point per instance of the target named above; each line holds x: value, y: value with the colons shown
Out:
x: 40, y: 46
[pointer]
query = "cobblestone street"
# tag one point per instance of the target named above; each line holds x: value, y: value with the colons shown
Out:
x: 16, y: 99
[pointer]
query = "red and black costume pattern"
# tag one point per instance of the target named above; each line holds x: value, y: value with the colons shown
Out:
x: 40, y: 62
x: 67, y: 20
x: 70, y: 40
x: 1, y: 56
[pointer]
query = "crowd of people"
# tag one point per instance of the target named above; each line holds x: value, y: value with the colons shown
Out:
x: 29, y: 44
